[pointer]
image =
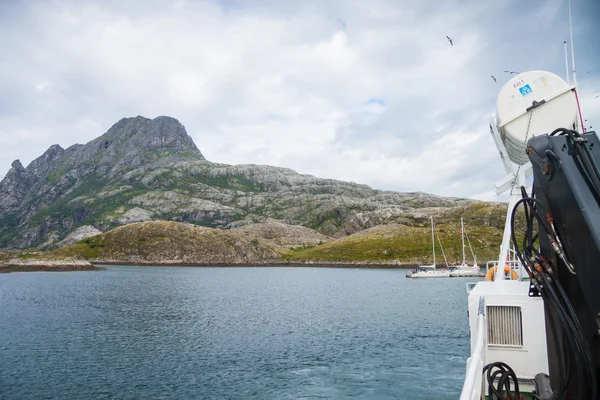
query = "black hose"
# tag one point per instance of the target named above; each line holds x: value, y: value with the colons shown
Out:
x: 505, y: 374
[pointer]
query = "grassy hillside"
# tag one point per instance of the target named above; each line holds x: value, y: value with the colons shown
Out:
x: 388, y: 243
x: 168, y: 242
x: 174, y: 243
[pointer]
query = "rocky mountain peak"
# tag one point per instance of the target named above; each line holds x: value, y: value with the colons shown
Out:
x: 138, y: 141
x: 14, y: 187
x: 46, y: 162
x: 17, y: 166
x: 162, y: 134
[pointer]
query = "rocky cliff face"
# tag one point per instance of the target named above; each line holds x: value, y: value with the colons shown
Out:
x: 143, y: 169
x: 14, y: 187
x: 283, y: 234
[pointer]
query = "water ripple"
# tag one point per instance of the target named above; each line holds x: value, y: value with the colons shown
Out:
x: 231, y: 333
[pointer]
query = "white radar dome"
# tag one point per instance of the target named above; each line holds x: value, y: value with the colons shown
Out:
x: 530, y: 104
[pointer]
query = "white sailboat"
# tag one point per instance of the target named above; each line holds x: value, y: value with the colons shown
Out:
x: 465, y: 269
x: 430, y: 271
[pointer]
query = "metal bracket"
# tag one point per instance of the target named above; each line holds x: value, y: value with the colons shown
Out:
x: 508, y: 181
x: 534, y: 291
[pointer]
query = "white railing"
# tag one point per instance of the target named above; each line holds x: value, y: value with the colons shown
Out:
x: 473, y: 380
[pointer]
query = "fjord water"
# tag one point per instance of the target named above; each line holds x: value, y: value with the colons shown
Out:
x: 231, y: 333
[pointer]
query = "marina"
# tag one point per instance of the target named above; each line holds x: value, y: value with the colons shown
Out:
x: 462, y: 270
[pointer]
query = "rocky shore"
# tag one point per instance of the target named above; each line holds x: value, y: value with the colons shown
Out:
x: 41, y: 264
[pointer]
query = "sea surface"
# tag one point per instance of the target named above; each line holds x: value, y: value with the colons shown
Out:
x: 231, y: 333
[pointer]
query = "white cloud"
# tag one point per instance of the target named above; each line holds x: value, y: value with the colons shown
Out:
x: 369, y: 92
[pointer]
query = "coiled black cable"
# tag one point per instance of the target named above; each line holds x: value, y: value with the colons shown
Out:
x: 504, y: 374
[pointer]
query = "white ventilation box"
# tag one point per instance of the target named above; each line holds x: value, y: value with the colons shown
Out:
x: 516, y: 329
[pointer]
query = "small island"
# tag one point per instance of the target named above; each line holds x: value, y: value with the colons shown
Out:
x: 34, y: 261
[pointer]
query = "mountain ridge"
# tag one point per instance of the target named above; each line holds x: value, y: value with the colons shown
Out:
x: 150, y: 169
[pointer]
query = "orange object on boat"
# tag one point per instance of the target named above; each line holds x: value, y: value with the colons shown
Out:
x: 507, y: 270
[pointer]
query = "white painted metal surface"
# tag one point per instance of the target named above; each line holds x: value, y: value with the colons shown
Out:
x: 517, y: 125
x: 524, y: 347
x: 473, y: 380
x: 515, y: 196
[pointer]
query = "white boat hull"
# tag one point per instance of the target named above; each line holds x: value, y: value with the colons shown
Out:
x: 459, y: 273
x: 430, y: 274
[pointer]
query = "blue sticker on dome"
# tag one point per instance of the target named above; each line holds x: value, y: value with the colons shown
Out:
x: 525, y: 90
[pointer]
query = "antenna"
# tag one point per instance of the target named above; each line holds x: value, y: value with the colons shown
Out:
x: 572, y: 49
x: 567, y: 62
x: 576, y: 126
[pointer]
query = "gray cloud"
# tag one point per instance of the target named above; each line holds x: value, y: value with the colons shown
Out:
x: 369, y: 92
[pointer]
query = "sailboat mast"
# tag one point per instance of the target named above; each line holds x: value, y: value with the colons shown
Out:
x: 462, y: 228
x: 432, y: 242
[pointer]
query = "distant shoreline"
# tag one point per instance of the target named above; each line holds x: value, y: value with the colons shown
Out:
x: 6, y: 269
x: 95, y: 265
x: 322, y: 264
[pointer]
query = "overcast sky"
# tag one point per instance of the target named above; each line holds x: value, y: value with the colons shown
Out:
x: 368, y: 91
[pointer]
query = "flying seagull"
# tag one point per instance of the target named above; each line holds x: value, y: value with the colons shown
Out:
x: 450, y: 40
x: 512, y: 72
x: 494, y: 78
x: 598, y: 95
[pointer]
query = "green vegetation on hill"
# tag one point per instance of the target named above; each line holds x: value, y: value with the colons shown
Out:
x: 476, y: 214
x: 164, y: 242
x: 405, y: 244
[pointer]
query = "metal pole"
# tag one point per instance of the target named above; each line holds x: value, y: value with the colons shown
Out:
x: 475, y: 363
x: 572, y: 49
x: 515, y: 195
x: 567, y: 62
x: 462, y: 228
x: 433, y: 242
